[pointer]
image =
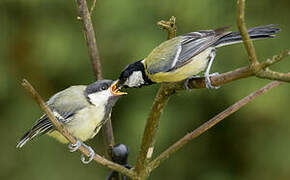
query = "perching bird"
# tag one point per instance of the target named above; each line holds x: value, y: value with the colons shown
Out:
x: 82, y: 110
x: 186, y: 56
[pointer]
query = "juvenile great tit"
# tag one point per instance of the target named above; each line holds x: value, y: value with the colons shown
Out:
x: 185, y: 56
x: 81, y: 109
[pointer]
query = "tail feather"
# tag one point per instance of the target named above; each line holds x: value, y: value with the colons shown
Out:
x: 41, y: 127
x: 260, y: 32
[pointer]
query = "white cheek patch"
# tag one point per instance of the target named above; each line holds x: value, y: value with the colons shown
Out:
x: 100, y: 98
x: 135, y: 79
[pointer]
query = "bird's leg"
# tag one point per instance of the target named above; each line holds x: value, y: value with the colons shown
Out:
x: 91, y: 155
x: 74, y: 147
x: 207, y: 75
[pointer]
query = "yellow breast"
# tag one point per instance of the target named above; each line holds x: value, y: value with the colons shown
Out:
x: 85, y: 124
x: 196, y: 65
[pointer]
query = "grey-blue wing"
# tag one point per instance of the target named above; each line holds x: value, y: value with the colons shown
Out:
x: 178, y: 51
x: 194, y: 43
x: 42, y: 126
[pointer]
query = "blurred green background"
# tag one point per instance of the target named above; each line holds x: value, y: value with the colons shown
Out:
x: 43, y: 42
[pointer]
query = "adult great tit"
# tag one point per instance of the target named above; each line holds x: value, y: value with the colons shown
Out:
x: 185, y: 56
x: 81, y: 109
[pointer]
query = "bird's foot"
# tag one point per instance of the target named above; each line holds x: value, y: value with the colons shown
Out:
x: 74, y: 147
x: 91, y: 155
x: 207, y: 81
x: 186, y: 82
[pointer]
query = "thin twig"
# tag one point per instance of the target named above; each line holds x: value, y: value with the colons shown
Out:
x: 245, y: 36
x: 96, y: 64
x: 90, y: 38
x: 169, y: 26
x: 93, y: 7
x: 99, y: 159
x: 161, y: 99
x: 207, y: 125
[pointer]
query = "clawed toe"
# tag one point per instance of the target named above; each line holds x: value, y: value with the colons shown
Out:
x: 74, y: 147
x: 91, y: 155
x: 208, y: 82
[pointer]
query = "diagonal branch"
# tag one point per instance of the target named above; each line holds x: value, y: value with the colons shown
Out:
x: 96, y: 64
x: 207, y: 125
x: 99, y: 159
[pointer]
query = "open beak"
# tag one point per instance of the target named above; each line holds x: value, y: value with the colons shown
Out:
x: 115, y: 91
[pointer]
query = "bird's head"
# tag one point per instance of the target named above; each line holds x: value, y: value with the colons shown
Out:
x: 134, y: 76
x: 103, y: 92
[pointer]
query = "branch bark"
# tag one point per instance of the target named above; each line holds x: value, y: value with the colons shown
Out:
x: 207, y: 125
x: 90, y: 38
x: 245, y: 36
x: 89, y: 33
x: 99, y: 159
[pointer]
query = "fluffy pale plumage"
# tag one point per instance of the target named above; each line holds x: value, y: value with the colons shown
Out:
x: 81, y: 114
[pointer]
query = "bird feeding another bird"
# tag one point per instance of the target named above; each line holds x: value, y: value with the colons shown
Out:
x: 185, y: 56
x: 81, y: 109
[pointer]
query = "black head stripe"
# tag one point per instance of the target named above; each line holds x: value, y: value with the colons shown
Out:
x: 134, y: 67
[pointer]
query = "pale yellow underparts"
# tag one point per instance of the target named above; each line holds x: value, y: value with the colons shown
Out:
x: 196, y: 65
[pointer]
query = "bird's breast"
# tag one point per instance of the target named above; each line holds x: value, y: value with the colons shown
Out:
x: 86, y: 123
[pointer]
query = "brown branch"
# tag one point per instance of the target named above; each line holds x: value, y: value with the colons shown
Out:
x: 273, y: 75
x: 151, y: 128
x: 245, y: 36
x: 99, y: 159
x: 207, y: 125
x: 93, y: 7
x: 161, y: 99
x: 90, y: 38
x: 254, y: 63
x: 169, y: 26
x: 96, y: 64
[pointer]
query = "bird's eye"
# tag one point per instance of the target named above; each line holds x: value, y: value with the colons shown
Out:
x: 104, y: 87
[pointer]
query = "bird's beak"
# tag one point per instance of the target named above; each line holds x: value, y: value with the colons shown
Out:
x: 115, y: 91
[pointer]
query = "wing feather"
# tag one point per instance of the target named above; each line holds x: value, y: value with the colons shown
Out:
x: 178, y: 51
